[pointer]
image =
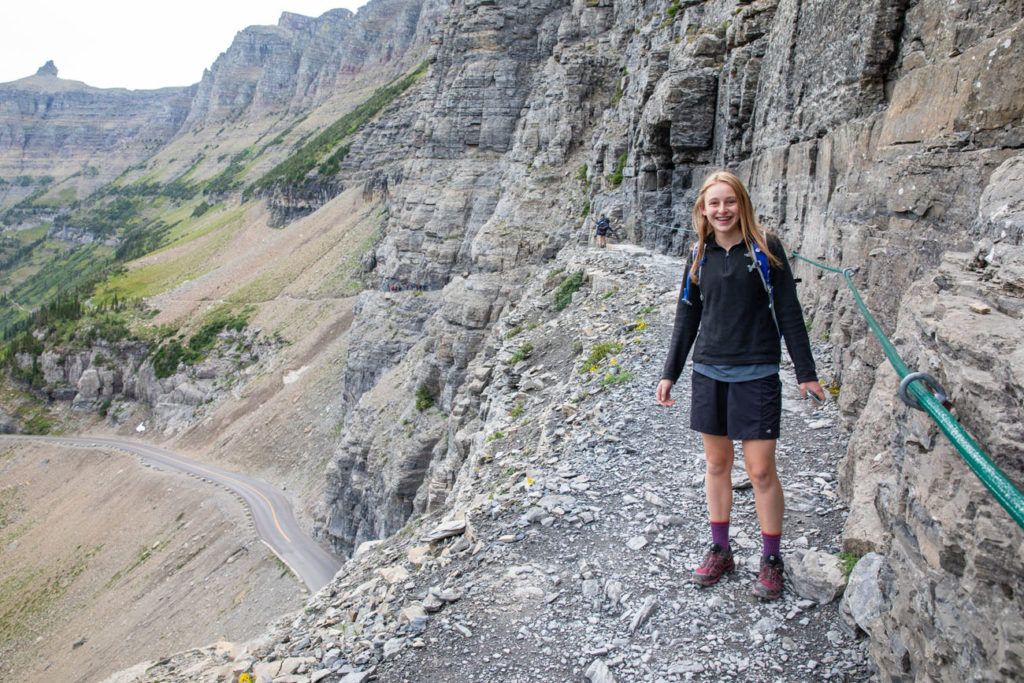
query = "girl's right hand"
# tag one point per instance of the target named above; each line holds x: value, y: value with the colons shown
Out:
x: 664, y: 393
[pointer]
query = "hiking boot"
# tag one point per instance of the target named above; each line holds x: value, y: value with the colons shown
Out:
x: 768, y: 585
x: 716, y: 563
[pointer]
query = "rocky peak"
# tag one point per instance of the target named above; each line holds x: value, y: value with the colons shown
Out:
x: 300, y: 22
x: 48, y: 69
x: 303, y: 61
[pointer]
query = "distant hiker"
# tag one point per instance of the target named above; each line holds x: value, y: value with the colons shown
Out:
x: 601, y: 229
x: 738, y: 291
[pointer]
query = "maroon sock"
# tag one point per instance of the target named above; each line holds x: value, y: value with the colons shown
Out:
x: 720, y: 534
x: 771, y: 544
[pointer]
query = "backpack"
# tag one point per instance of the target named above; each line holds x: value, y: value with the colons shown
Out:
x: 759, y: 260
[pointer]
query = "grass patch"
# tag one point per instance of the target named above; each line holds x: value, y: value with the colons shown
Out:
x: 517, y: 410
x: 28, y: 596
x: 522, y: 353
x: 617, y: 95
x: 611, y: 379
x: 336, y: 257
x: 551, y: 279
x: 495, y: 436
x: 38, y: 423
x: 569, y: 286
x: 9, y: 504
x: 847, y: 561
x: 144, y: 553
x: 58, y: 198
x: 581, y: 175
x: 615, y: 177
x: 155, y: 278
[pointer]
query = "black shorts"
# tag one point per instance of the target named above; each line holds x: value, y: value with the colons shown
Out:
x: 739, y: 410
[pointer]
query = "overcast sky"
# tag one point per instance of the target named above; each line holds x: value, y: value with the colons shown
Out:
x: 132, y: 43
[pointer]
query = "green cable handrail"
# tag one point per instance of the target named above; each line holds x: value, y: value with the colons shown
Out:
x: 991, y: 476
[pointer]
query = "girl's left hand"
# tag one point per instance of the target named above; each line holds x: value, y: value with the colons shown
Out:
x: 812, y: 387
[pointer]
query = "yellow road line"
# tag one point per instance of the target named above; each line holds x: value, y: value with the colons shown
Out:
x: 247, y: 487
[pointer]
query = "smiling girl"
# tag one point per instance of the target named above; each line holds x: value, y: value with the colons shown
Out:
x: 733, y: 313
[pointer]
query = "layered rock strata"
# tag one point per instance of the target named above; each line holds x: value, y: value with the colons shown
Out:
x: 951, y: 587
x: 302, y: 61
x: 54, y: 127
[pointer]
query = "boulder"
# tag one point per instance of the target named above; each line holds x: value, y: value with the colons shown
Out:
x: 815, y: 575
x: 864, y: 599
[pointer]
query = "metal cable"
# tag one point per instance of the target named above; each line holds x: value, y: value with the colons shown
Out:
x: 1008, y: 496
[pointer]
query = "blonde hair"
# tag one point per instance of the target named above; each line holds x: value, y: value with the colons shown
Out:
x: 750, y: 229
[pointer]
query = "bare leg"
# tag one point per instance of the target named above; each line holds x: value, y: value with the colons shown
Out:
x: 759, y: 457
x: 718, y: 476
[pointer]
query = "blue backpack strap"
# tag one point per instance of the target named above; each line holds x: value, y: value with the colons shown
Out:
x: 764, y: 266
x: 764, y: 271
x: 688, y: 280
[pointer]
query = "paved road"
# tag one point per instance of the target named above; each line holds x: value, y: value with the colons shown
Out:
x: 271, y: 512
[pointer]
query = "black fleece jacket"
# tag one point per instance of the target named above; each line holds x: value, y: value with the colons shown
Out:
x: 729, y: 318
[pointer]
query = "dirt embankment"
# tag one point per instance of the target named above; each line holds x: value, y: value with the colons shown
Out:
x: 104, y: 562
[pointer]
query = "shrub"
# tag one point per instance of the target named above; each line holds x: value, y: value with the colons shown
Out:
x: 169, y: 355
x: 167, y: 358
x: 598, y: 353
x: 423, y: 398
x: 569, y: 286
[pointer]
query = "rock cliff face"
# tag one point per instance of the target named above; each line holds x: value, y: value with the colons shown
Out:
x: 951, y: 582
x: 878, y: 135
x: 50, y: 126
x: 302, y: 61
x: 112, y: 378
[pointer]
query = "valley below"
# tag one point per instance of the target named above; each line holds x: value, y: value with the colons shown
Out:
x: 102, y: 558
